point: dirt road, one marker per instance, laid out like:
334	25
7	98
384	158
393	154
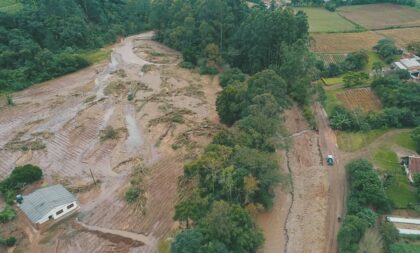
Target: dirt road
336	177
304	217
162	114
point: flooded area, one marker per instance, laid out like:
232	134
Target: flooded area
160	116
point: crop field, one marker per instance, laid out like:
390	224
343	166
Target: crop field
362	98
323	21
344	42
332	58
381	16
402	36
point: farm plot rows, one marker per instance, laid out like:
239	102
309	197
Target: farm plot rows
362	98
381	16
332	58
344	42
402	36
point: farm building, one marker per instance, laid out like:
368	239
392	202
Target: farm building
411	166
47	204
412	65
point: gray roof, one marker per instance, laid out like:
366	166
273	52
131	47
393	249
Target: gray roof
40	202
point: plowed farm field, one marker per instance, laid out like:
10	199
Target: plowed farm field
344	42
362	98
402	36
381	16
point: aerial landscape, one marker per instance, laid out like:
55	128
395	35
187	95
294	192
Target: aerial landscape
210	126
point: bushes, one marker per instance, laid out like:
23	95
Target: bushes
132	194
366	192
353	79
20	176
415	135
351	231
108	133
9	242
387	50
7	214
365	187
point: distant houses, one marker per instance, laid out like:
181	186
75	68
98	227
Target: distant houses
411	64
48	204
411	166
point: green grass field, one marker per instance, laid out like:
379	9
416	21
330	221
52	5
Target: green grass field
403	247
404	140
323	21
333	80
10	6
96	55
353	141
331	100
398	188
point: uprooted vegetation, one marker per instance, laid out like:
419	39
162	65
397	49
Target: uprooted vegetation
136	194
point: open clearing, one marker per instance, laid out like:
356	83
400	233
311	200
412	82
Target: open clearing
402	36
381	16
322	21
362	98
168	107
344	42
398	187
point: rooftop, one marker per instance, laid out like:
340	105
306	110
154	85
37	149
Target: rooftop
414	164
40	202
410	63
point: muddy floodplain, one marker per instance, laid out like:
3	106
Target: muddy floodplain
138	116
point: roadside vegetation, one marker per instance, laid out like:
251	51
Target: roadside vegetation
234	178
366	199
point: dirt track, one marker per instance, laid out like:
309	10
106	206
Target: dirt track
57	125
304	219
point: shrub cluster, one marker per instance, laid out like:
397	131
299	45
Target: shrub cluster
366	192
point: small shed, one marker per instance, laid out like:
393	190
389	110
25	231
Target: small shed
411	165
48	204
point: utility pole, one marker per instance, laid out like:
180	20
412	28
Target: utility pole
94	181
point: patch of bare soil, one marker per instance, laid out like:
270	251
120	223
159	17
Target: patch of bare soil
297	221
161	115
306	224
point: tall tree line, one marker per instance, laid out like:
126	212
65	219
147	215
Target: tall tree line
41	41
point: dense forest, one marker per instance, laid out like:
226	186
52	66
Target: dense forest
42	40
267	66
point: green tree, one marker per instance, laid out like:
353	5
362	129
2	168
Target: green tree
232	225
231	75
231	102
353	79
188	241
415	135
350	233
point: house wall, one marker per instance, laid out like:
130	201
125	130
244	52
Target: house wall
54	211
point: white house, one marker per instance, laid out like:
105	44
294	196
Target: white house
48	203
412	65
